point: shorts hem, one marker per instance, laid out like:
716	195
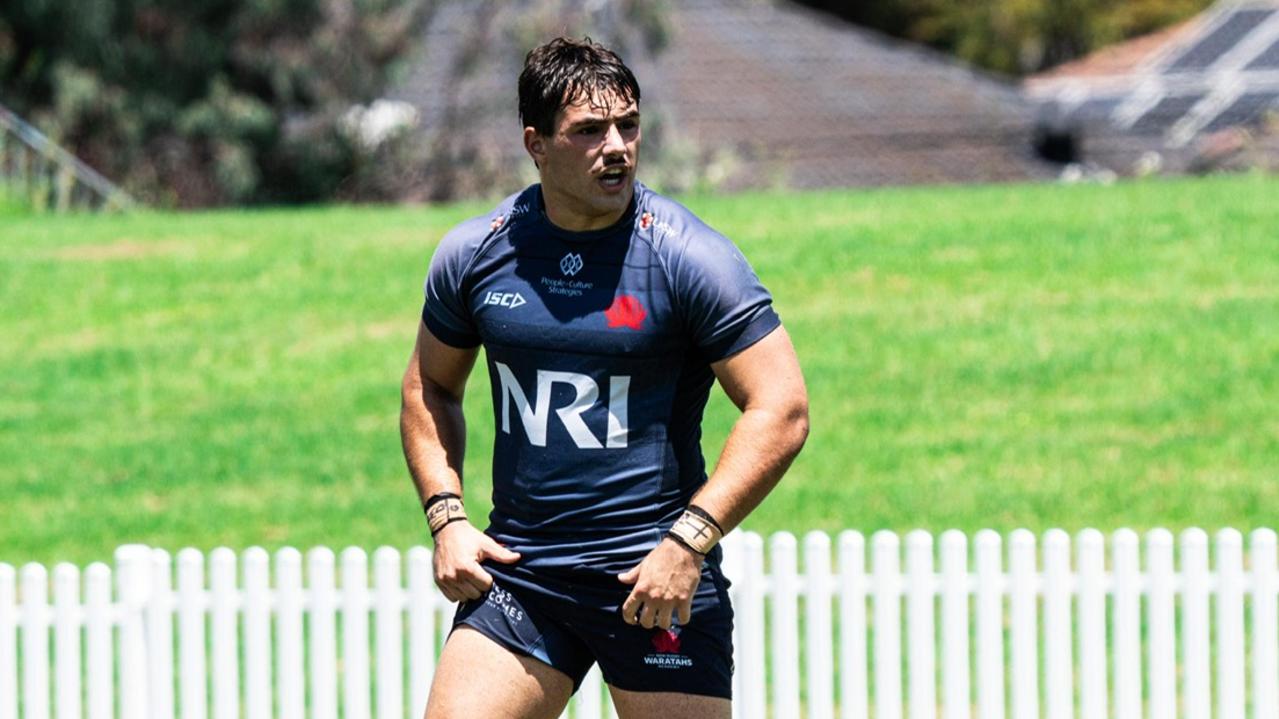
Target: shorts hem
512	648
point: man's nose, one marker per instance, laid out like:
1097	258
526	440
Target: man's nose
613	142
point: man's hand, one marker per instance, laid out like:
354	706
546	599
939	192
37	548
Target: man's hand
459	549
664	586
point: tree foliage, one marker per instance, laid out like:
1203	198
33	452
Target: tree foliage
1016	36
199	102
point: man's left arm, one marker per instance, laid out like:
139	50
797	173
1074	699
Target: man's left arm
765	382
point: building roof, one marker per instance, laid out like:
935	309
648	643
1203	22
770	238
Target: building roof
1116	61
787	94
834	104
1219	70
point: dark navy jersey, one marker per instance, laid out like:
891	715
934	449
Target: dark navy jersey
599	347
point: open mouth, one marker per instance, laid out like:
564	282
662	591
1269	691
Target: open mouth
613	178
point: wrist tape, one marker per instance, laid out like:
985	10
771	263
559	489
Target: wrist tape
443	508
697	530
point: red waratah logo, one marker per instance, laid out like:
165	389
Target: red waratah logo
625	312
497	222
666	641
646	219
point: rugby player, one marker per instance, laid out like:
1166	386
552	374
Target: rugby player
606	313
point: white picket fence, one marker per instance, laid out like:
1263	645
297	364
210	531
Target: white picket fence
1126	633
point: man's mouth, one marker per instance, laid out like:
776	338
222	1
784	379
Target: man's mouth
613	178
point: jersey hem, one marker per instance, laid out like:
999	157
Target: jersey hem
754	331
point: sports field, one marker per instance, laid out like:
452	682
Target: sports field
1031	356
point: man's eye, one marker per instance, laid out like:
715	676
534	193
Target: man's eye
628	124
588	130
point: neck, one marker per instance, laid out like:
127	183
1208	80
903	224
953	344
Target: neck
566	215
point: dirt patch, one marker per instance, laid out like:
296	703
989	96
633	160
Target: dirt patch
119	250
84	340
383	330
352	334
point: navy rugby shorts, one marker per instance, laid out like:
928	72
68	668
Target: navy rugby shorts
571	636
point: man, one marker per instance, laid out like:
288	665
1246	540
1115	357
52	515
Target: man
606	312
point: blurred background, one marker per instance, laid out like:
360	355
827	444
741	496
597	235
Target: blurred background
229	102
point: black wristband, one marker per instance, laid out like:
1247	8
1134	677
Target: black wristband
439	497
440	528
694	509
676	538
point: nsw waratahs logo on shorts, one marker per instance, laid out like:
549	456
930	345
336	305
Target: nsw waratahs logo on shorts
667	644
571	264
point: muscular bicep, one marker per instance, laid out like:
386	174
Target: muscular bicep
439	366
765	375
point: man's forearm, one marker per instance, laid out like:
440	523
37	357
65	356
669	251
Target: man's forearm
763	443
433	434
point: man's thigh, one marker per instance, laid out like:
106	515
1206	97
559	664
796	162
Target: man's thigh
476	677
668	705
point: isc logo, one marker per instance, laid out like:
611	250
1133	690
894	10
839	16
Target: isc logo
587	393
504	299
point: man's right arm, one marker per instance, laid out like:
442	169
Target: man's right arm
433	433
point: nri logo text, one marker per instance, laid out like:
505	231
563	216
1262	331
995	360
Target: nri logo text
535	415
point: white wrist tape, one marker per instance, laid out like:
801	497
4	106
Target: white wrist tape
697	530
442	510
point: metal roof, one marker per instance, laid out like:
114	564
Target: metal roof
1221	72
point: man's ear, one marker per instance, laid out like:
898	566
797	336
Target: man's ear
534	145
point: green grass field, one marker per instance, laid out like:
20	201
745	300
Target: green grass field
1031	356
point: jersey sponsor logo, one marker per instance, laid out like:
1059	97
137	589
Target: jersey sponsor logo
667	644
571	264
535	415
567	288
626	311
505	299
503	602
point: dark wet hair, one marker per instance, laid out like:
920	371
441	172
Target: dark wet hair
562	71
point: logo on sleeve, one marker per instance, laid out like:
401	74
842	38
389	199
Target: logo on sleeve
626	311
667	644
659	227
571	264
505	299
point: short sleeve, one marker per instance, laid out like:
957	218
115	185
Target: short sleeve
446	311
726	307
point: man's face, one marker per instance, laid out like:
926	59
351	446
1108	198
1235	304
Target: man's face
588	163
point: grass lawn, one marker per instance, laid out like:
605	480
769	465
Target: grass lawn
1017	356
